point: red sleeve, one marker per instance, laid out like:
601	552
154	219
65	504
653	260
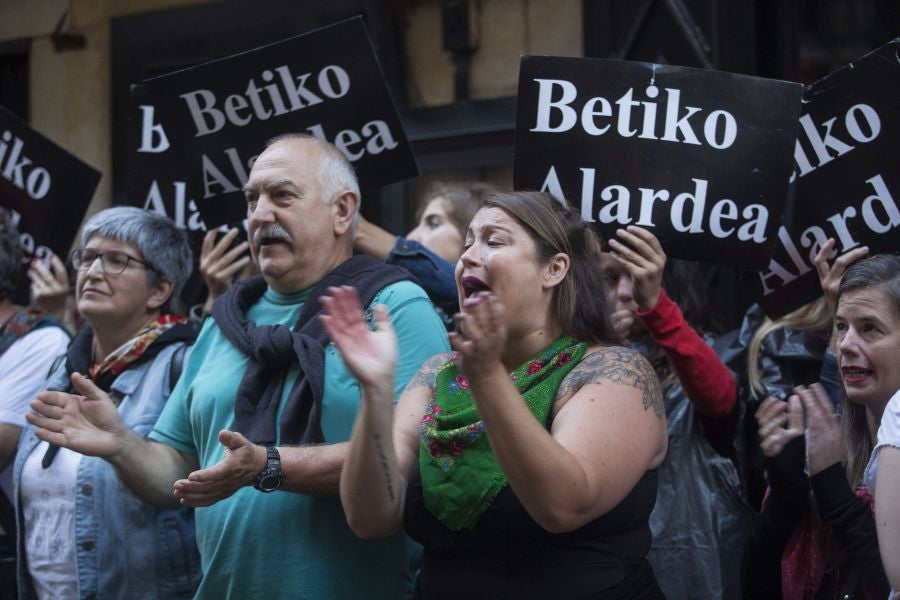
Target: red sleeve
707	382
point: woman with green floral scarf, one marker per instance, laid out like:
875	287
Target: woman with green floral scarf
524	461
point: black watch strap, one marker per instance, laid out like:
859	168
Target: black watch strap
270	478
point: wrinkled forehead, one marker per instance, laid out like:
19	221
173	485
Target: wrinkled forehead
295	159
491	217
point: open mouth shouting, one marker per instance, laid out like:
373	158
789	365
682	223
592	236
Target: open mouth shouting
474	290
853	375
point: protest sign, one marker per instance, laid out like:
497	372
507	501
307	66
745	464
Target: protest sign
846	177
152	181
700	158
46	189
326	83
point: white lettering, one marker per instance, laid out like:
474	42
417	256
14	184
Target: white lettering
213	176
821	145
775	270
587	195
698	203
149	129
755	227
883	197
199	113
233	104
729	132
184	217
723	209
380	138
588	123
551	185
648	197
839	222
34	181
546	104
327	83
284	93
674	123
871	118
617	211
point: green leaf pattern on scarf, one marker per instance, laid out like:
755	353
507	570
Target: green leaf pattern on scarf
460	474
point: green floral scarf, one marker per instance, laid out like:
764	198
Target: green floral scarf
460	474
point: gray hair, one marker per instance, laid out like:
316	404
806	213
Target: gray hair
336	173
11	255
881	271
163	245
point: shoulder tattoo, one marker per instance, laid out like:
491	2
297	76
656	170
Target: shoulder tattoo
619	365
427	373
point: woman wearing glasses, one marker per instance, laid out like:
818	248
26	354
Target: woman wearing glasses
81	533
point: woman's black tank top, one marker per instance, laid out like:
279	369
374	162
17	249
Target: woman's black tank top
508	555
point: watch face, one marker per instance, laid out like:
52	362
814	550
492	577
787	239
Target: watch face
270	482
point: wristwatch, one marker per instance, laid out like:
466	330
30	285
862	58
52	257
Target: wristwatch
270	478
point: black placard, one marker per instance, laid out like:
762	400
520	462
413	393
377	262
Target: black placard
700	158
845	173
326	83
47	189
153	184
152	167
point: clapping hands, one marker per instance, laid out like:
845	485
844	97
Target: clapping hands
807	412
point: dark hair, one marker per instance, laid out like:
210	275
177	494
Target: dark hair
880	270
11	254
461	201
580	303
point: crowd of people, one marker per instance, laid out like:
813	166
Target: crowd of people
490	406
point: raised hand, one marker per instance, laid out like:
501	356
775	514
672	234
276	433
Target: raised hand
830	275
370	356
49	286
779	422
238	468
644	258
218	264
824	436
481	335
88	423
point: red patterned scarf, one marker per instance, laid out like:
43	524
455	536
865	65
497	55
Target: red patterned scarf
119	359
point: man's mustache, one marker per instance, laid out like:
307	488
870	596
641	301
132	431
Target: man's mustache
270	231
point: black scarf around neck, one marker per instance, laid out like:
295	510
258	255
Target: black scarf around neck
273	349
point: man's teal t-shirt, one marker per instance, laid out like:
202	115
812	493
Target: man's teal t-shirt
283	544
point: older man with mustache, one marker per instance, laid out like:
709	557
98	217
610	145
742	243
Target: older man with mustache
254	434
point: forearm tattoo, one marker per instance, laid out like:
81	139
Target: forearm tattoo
619	365
379	448
427	373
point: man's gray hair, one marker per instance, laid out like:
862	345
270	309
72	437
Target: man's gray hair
163	245
336	173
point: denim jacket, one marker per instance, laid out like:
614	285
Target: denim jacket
435	275
125	548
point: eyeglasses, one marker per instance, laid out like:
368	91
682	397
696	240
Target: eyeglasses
114	262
